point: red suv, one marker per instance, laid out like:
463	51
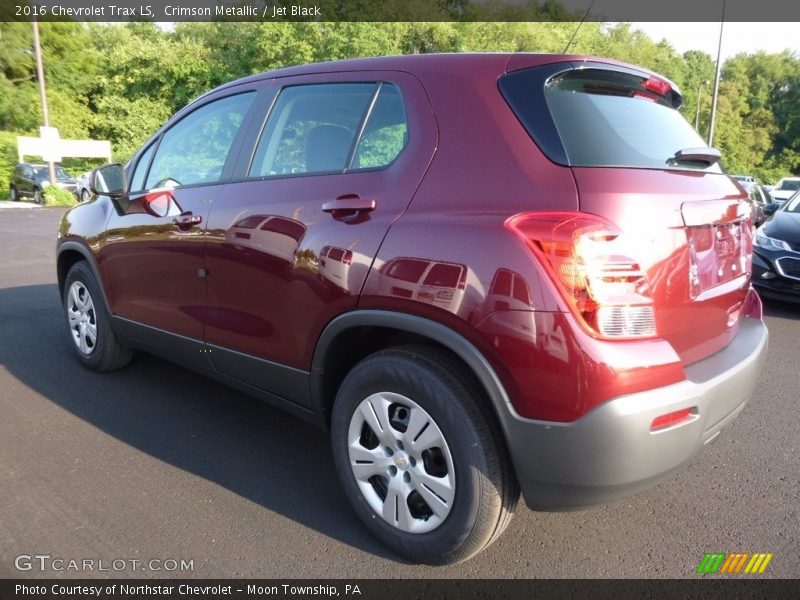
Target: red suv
478	273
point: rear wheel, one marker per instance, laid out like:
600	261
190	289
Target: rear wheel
418	458
89	324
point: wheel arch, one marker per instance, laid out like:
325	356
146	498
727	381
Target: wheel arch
354	335
69	253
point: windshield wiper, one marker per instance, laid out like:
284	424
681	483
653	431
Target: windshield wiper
704	154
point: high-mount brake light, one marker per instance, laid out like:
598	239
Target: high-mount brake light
585	256
657	85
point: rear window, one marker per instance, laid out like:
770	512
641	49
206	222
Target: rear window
609	118
287	227
790	186
442	275
407	269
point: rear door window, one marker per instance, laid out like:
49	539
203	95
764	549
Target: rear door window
385	133
312	129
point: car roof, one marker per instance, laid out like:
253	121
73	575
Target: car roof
455	62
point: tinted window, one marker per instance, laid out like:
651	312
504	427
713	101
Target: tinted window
602	117
45	172
502	283
288	227
137	181
195	149
385	133
607	118
407	269
311	129
442	275
521	290
250	222
790	186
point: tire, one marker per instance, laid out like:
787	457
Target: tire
88	323
450	446
14	194
84	195
38	197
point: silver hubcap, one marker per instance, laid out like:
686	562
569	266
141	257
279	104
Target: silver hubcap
401	462
82	318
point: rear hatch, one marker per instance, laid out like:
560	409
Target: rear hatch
638	164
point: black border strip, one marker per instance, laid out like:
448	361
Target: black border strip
401	10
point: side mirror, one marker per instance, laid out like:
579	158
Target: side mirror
109	180
770	209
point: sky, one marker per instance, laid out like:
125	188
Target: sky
736	38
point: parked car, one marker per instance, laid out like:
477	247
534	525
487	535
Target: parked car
785	188
744	179
29	181
776	254
83	191
580	320
761	198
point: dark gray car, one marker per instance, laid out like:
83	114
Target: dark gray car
29	181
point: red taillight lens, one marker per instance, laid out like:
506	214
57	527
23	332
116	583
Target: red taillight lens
587	259
672	419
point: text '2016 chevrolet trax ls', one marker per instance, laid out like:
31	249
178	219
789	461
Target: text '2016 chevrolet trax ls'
479	273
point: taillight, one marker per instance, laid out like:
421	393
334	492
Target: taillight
586	257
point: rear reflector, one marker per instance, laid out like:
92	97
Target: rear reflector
673	418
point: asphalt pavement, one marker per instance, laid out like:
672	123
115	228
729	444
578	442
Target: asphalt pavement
153	462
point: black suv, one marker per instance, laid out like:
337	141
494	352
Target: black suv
29	180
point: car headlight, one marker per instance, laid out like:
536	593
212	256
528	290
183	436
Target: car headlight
767	243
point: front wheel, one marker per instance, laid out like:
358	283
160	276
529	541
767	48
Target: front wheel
38	197
89	324
14	194
418	458
84	195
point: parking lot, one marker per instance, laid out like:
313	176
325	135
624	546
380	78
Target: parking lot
155	462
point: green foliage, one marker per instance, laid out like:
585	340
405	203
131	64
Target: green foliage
8	158
122	82
56	196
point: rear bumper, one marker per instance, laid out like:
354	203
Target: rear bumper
610	452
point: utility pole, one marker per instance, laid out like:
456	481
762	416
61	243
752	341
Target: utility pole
716	79
37	47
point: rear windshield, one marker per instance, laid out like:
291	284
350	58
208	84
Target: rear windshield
599	116
608	118
790	186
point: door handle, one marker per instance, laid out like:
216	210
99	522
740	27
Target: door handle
184	221
349	203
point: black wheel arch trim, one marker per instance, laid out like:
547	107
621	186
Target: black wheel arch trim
436	332
74	246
